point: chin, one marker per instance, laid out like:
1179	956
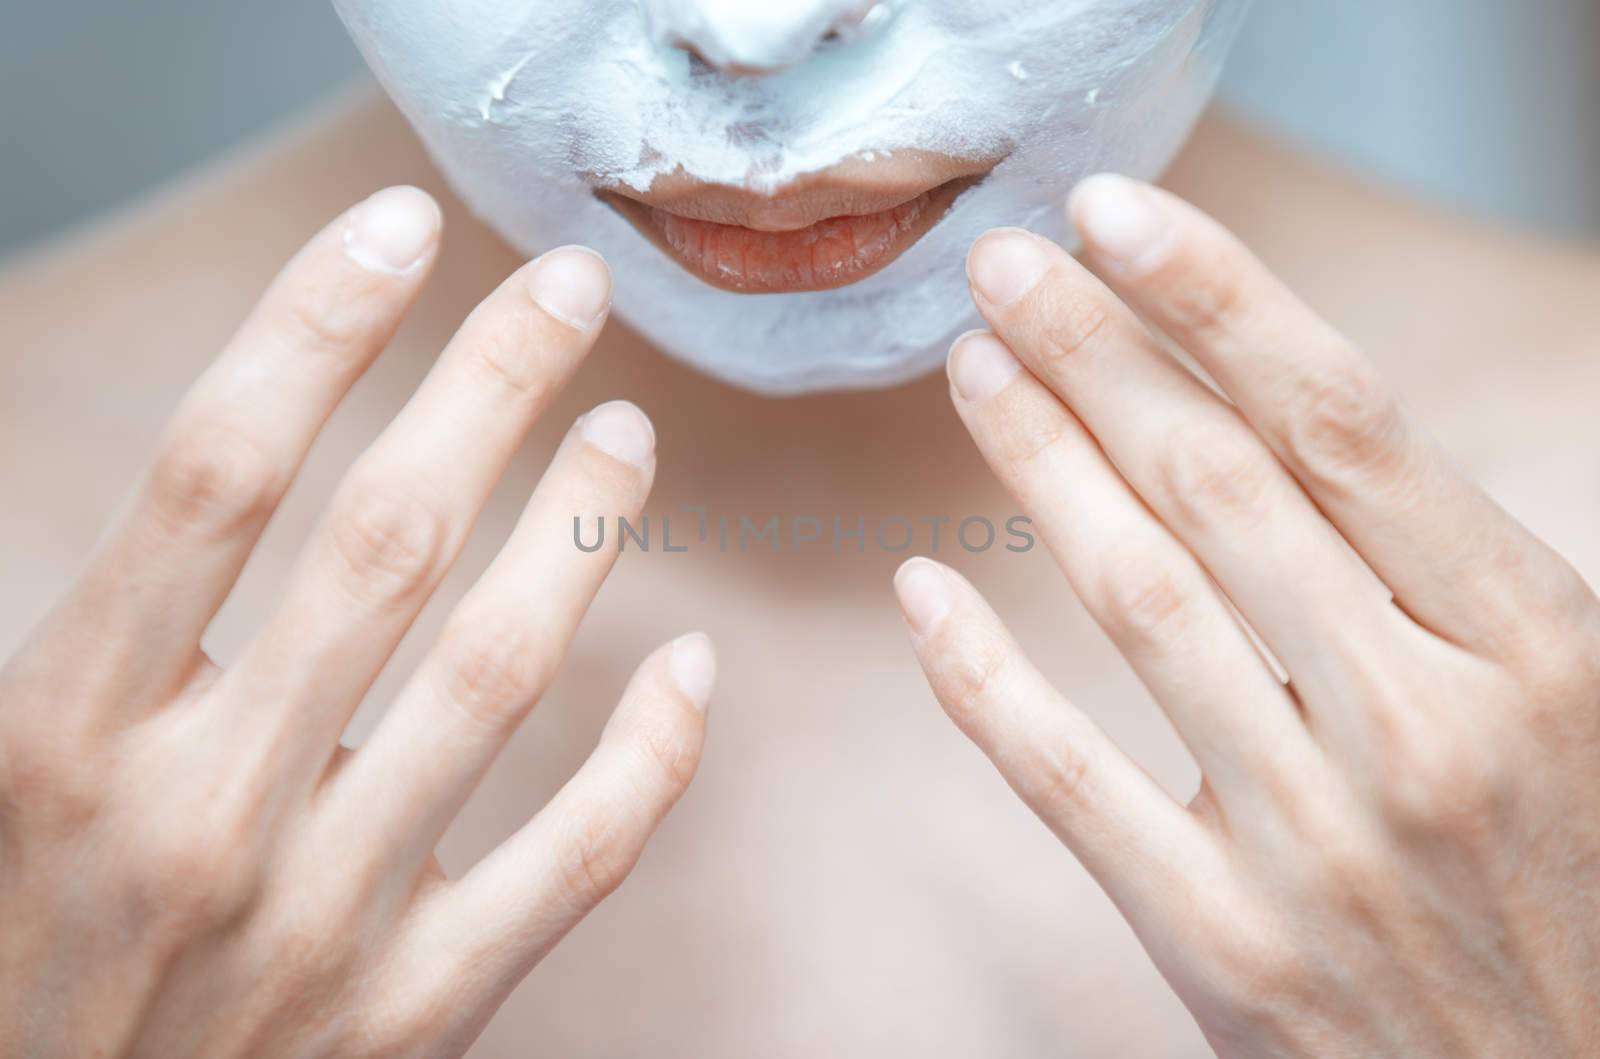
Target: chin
796	220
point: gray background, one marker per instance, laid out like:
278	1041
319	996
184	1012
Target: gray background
1490	105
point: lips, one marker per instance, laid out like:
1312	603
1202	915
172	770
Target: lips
823	236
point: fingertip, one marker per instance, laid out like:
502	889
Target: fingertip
394	232
980	366
573	284
1122	221
925	595
693	663
621	430
1006	264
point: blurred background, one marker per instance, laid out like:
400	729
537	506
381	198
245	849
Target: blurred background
1492	106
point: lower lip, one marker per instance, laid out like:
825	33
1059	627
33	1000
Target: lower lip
833	253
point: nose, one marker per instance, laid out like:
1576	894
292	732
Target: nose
755	37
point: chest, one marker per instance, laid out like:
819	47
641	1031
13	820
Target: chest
847	876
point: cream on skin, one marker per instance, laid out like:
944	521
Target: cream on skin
532	106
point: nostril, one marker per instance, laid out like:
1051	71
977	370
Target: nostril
750	45
698	63
701	64
858	23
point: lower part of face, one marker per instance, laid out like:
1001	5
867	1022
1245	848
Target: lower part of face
542	111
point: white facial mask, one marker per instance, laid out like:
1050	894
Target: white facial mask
529	105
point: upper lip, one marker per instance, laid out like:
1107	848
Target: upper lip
848	190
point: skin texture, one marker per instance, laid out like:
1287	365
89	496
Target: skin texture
168	823
846	876
1368	867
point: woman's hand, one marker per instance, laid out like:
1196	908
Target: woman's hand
189	864
1399	852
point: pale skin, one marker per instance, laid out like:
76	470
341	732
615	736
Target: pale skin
231	881
1367	869
846	876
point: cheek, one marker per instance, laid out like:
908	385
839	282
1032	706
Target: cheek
449	53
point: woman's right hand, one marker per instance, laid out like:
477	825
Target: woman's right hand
189	863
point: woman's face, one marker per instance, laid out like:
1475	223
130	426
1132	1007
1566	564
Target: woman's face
786	188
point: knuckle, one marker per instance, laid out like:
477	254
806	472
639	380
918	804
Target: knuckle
1554	672
1556	654
972	685
1555	682
1075	326
672	754
310	942
1140	595
212	477
324	318
50	787
196	876
1030	444
504	354
1576	605
1353	875
1061	780
1216	472
1444	784
1029	439
1342	422
390	543
496	670
597	857
1259	981
1209	297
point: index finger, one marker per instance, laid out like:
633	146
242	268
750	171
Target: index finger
242	432
1456	562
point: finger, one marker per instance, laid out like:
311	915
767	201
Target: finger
402	514
476	939
1138	582
1455	561
1192	458
500	649
1140	845
241	435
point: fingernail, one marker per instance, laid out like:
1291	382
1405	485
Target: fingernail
620	430
694	668
1006	264
924	595
573	285
1121	219
393	232
981	366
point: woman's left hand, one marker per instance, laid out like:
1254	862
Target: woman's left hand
1398	853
